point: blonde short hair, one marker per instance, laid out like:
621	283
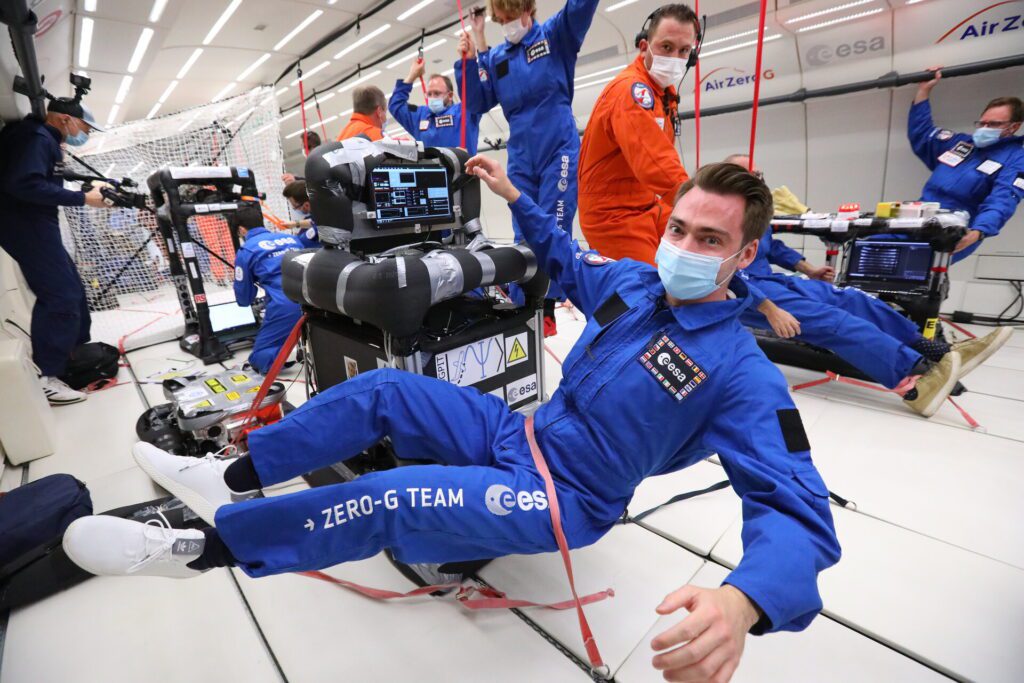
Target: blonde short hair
512	7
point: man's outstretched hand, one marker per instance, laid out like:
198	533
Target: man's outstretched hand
710	638
491	172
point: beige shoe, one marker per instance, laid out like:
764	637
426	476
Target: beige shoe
974	352
934	386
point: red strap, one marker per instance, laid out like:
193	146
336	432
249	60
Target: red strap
320	116
696	92
462	95
302	110
596	663
268	381
757	79
970	335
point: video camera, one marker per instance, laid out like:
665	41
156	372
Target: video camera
72	106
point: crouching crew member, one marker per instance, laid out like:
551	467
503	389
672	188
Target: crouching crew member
668	339
981	173
31	189
258	263
629	167
439	124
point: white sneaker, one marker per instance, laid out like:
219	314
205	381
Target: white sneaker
60	394
111	546
196	482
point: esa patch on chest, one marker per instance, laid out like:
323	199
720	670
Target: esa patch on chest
643	95
446	121
538	50
672	368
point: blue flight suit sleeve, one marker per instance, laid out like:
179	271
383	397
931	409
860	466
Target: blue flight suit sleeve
922	133
562	258
782	255
398	105
570	24
480	97
245	284
28	177
788	534
1001	203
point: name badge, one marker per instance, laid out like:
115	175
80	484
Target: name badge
954	157
989	166
424	124
538	50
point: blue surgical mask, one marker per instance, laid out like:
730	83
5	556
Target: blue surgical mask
436	104
983	137
76	140
687	275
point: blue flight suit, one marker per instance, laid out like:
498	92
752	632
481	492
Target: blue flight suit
865	332
646	390
986	182
533	83
433	130
258	262
31	189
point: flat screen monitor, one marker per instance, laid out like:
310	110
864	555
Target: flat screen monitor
407	195
229	318
890	261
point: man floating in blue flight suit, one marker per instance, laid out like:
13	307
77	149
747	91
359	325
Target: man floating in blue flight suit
867	333
439	124
531	76
662	376
31	190
981	173
258	263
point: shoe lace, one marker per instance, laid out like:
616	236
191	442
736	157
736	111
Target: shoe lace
161	546
211	458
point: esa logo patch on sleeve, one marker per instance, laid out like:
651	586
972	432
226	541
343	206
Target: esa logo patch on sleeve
592	258
944	134
674	371
239	274
643	96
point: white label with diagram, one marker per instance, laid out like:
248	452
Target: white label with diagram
472	363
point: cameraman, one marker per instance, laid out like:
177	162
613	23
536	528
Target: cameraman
31	189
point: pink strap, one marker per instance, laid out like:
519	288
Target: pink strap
596	662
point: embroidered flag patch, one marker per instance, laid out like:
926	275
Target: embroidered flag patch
672	368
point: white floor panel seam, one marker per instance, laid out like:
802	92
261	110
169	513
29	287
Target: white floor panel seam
257	626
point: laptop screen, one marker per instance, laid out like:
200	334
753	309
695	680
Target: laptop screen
230	316
890	261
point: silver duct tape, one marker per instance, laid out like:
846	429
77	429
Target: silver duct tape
336	236
303	260
400	269
531	261
473	226
446	276
490	271
342	287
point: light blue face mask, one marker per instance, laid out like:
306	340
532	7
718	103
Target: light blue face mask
687	275
983	137
436	104
78	139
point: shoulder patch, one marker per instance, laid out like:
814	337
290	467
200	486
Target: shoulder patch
643	95
944	134
592	258
239	273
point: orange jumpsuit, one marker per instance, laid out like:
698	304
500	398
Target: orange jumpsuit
361	124
629	169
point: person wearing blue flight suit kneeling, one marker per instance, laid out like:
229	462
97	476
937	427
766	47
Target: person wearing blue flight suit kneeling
864	331
530	76
258	263
981	173
439	124
662	376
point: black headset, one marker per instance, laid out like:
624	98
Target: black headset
656	15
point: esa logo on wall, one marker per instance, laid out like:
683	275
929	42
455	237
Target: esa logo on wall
820	55
976	26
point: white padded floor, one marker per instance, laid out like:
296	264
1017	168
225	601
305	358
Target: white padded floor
931	583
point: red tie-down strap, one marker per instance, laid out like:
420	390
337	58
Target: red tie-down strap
903	387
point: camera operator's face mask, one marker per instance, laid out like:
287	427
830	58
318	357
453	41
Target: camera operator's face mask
688	275
76	140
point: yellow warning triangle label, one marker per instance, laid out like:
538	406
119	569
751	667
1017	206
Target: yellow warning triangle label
517	353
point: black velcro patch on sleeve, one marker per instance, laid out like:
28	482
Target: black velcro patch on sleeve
413	108
501	68
793	430
610	310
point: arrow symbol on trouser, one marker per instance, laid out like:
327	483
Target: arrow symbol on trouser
309	525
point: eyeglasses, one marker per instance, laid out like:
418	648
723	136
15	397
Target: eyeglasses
992	124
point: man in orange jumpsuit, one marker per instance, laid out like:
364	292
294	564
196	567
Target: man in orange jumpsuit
629	169
370	114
